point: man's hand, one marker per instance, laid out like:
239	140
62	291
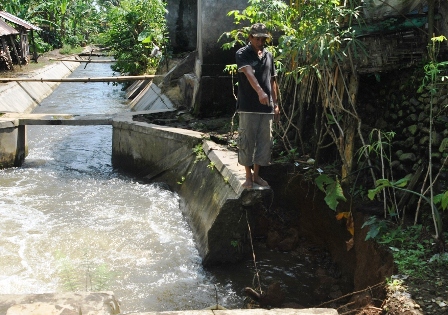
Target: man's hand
263	98
276	114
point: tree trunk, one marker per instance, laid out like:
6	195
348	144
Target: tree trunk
350	132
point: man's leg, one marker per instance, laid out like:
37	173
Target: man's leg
263	148
256	178
249	182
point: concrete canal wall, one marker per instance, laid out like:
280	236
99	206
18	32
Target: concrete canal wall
206	176
23	97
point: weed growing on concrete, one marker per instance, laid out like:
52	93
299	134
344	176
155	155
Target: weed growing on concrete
211	166
198	150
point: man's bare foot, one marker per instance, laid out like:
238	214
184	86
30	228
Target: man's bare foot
260	181
247	184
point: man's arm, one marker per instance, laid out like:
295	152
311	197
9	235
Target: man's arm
262	96
274	89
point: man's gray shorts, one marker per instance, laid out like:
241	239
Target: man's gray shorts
255	139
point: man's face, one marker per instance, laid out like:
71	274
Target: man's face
257	42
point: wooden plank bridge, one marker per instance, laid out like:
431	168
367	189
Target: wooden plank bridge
59	119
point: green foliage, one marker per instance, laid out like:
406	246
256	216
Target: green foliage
181	181
198	150
211	166
332	189
395	285
412	261
377	146
399	184
136	33
68	50
72	22
231	69
442	199
272	12
439	259
288	156
433	67
376	227
410	249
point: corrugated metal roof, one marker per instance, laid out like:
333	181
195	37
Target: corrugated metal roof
14	19
5	29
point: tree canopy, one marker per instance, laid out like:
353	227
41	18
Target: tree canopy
132	29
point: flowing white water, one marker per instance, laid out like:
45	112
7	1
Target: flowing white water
69	221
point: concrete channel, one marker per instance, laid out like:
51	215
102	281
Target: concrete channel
214	198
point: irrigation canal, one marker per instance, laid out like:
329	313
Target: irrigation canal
69	221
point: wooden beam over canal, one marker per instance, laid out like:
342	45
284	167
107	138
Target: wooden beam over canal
86	60
59	119
84	80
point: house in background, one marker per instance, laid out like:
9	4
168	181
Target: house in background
7	32
23	29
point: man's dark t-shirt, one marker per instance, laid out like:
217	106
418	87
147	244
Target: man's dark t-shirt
264	69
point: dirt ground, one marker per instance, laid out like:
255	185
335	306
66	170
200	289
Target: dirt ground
406	297
42	61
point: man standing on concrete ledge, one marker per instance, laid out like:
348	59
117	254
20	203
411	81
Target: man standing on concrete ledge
256	104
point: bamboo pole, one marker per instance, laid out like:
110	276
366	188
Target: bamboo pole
85	80
82	60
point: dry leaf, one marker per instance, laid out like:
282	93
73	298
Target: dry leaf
350	243
349	224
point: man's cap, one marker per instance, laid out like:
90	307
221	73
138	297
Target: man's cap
259	30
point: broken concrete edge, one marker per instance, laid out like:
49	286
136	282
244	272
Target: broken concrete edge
274	311
105	303
68	303
8	122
